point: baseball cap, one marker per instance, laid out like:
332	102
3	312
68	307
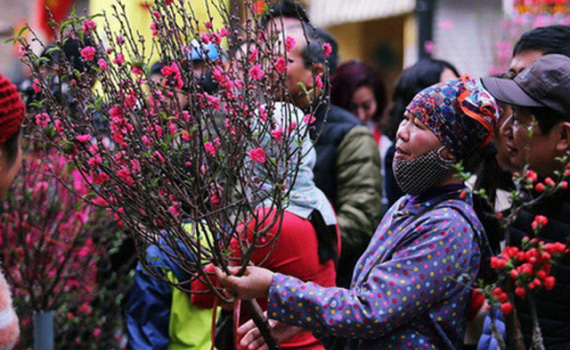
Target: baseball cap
200	52
546	83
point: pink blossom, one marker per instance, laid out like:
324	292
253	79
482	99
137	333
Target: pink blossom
137	70
85	309
58	127
206	38
95	160
101	202
208	25
120	40
281	65
319	82
327	49
257	155
42	119
21	50
215	38
83	252
210	148
96	332
83	138
214	198
309	119
157	14
213	101
88	25
101	179
158	156
154	28
223	32
174	71
125	175
174	209
88	53
172	128
36	86
186	116
262	114
41	186
168	2
253	55
119	59
256	72
289	43
277	134
292	126
102	64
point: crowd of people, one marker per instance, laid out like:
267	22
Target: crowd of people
382	245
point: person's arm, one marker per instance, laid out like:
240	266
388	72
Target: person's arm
359	188
420	274
148	312
9	329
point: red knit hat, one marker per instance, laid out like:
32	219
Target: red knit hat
12	109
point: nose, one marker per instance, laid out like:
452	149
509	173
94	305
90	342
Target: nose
507	128
403	132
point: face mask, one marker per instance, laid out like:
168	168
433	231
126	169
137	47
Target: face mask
418	175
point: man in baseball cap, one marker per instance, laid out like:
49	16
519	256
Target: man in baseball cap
539	93
537	132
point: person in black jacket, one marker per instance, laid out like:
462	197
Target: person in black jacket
541	93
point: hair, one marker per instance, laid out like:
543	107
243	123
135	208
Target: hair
351	76
546	118
421	75
314	53
156	67
549	40
287	9
11	147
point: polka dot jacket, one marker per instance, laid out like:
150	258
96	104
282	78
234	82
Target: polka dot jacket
411	288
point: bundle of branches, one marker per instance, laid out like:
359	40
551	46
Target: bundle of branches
52	246
160	153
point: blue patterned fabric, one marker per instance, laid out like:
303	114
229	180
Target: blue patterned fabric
460	112
411	288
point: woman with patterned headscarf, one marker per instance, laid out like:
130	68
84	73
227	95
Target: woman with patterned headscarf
412	287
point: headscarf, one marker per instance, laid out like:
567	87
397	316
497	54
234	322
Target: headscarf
460	112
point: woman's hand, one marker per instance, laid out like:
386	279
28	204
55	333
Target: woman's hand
253	284
251	338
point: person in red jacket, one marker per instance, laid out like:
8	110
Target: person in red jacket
307	245
11	118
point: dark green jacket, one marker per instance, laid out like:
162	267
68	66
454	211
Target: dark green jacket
348	172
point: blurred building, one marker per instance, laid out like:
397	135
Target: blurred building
394	34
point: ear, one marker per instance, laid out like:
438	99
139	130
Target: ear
563	137
446	154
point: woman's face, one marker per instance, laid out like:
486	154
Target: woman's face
363	104
414	139
7	171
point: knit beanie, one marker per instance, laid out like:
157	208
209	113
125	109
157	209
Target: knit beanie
460	112
12	109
